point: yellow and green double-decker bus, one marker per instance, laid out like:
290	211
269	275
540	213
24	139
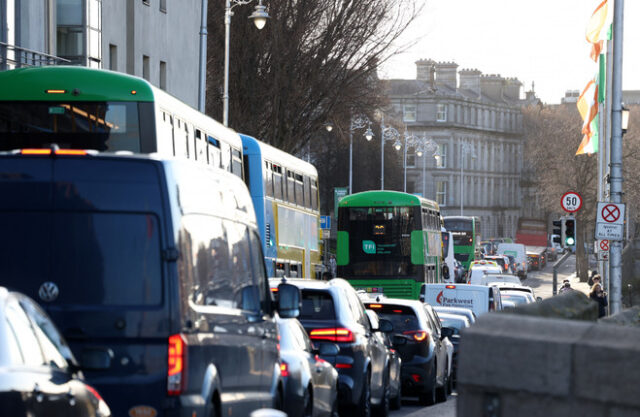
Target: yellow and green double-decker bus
389	242
466	237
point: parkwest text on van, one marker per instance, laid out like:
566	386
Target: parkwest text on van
478	298
153	271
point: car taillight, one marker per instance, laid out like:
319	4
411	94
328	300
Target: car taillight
176	371
333	335
343	366
418	335
94	392
284	369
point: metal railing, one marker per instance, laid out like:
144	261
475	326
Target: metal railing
12	56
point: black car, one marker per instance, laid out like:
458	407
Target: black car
38	374
310	382
332	312
153	269
419	342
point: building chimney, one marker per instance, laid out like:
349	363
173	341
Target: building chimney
512	88
492	86
470	80
425	70
446	74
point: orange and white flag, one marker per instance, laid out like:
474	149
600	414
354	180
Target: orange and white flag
598	27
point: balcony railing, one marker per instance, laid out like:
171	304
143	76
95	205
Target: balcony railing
12	56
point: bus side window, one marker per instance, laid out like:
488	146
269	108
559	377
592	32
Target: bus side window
291	196
307	192
277	182
299	186
268	179
314	194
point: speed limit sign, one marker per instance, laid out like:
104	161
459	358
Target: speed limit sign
571	202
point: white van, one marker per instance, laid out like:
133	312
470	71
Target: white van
448	255
518	251
477	273
478	298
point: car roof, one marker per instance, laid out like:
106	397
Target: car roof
313	284
455	316
395	301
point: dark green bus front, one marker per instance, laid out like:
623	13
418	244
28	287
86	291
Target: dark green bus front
383	246
76	108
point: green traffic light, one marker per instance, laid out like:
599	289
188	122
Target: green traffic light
570	241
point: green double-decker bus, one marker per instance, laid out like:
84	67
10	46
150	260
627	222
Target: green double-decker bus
389	242
466	237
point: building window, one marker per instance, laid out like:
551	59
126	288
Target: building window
441	193
113	57
409	112
442	113
145	67
442	161
147	2
163	6
163	75
411	159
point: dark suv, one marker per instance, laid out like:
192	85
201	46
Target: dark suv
152	270
332	312
419	341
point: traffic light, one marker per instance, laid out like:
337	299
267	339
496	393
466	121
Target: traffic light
570	232
557	230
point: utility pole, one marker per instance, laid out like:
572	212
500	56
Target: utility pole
616	152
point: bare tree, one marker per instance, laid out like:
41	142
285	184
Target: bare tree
315	60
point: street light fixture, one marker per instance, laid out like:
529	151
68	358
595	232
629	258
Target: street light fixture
357	122
625	119
387	133
259	17
465	148
422	146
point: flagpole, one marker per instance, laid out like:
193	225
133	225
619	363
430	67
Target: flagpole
607	148
616	152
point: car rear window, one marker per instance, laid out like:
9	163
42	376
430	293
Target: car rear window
92	258
317	305
403	318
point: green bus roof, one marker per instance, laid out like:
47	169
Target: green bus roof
74	84
382	199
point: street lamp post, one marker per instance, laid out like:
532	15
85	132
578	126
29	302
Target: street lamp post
423	145
465	148
357	122
387	133
259	17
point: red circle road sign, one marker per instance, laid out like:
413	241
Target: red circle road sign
604	244
571	202
610	213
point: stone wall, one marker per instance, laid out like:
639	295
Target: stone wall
516	365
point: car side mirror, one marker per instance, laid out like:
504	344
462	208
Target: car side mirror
538	298
327	349
96	358
385	326
446	332
399	340
289	301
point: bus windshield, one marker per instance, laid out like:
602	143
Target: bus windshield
104	126
462	231
380	240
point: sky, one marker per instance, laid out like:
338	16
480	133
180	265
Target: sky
541	41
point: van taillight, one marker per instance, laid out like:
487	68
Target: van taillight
177	360
332	335
450	287
418	335
284	369
47	151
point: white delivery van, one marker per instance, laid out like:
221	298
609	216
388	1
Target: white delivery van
478	298
477	272
448	256
518	251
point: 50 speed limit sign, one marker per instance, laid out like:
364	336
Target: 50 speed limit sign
571	202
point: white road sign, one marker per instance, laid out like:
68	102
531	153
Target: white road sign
610	221
571	202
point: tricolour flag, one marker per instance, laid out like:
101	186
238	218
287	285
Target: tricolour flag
588	108
598	28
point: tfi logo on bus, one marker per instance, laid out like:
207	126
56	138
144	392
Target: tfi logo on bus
369	246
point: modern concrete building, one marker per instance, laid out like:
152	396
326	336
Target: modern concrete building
476	120
154	39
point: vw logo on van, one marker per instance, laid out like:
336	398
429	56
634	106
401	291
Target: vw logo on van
48	291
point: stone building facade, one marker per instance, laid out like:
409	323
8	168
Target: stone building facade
154	39
476	120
